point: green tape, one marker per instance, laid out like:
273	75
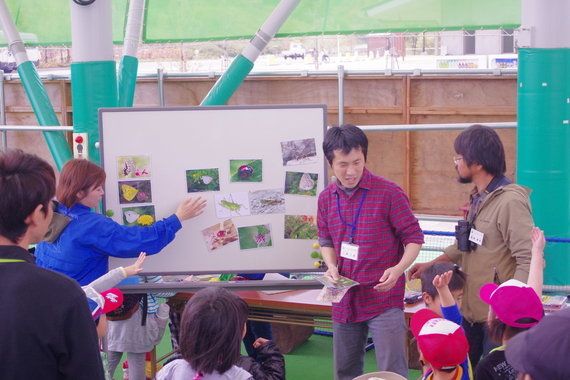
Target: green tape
93	86
127	80
39	100
229	82
543	158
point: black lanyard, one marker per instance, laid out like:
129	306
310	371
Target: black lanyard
355	222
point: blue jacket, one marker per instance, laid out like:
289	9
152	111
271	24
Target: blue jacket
82	250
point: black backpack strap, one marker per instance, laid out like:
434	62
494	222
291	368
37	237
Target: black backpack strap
144	309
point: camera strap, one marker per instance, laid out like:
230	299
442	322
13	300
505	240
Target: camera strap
477	199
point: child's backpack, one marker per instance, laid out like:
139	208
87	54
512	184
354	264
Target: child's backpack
131	303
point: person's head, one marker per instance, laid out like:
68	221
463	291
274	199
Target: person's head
80	181
102	303
456	285
541	353
442	344
211	330
27	186
345	148
516	307
479	150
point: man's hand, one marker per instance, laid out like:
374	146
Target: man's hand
136	268
442	280
190	208
388	279
417	269
332	273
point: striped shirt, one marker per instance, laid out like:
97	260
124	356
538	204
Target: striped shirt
153	303
385	225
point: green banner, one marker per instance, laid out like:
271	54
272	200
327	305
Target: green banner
202	20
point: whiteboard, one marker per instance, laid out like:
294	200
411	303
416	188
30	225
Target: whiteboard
167	152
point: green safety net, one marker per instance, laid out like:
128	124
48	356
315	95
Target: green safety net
47	22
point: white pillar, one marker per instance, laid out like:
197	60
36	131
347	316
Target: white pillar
547	23
92	31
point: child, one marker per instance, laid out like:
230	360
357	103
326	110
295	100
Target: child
212	327
103	300
514	308
442	291
268	363
442	344
138	333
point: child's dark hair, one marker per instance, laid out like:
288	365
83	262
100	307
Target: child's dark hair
457	281
211	330
498	330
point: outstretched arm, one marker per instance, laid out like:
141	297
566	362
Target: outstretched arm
535	275
441	283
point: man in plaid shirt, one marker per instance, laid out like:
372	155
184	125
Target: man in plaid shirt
368	233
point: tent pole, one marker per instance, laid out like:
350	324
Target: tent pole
35	90
229	82
543	135
129	61
93	75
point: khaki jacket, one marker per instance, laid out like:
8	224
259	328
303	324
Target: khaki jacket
505	219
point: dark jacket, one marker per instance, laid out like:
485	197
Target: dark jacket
46	329
269	365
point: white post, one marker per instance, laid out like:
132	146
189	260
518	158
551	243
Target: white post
92	31
547	23
134	27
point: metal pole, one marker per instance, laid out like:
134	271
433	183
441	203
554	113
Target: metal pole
4	134
161	101
340	94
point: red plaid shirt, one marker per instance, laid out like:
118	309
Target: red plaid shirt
385	225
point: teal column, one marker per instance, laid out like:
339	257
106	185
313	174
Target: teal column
127	80
229	82
39	100
93	86
543	149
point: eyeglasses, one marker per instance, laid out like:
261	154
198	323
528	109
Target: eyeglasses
456	159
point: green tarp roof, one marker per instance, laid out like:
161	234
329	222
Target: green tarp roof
200	20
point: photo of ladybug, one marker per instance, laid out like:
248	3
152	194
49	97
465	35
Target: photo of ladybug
220	234
246	171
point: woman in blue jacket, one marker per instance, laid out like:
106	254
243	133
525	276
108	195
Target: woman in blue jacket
81	248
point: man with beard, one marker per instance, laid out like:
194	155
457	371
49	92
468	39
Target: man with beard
500	222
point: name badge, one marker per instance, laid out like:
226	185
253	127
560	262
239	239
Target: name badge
349	251
476	236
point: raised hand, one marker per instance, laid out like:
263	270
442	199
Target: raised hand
190	208
136	268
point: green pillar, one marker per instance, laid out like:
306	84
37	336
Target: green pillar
93	86
543	143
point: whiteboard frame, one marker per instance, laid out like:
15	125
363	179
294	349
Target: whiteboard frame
114	262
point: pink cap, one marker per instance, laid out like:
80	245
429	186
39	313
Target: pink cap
513	301
442	342
113	299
